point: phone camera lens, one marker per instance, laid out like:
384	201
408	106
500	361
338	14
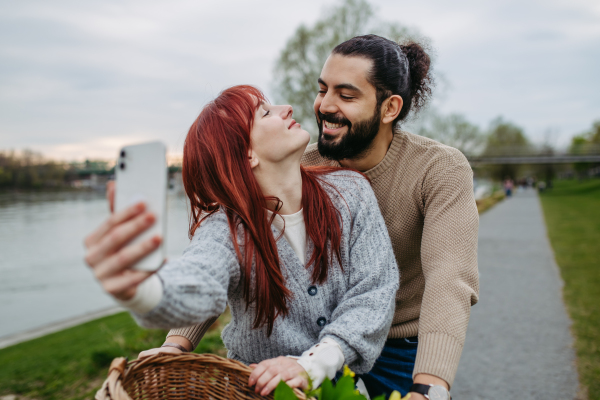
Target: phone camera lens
122	153
122	165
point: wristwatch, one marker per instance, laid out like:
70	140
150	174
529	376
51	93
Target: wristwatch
431	392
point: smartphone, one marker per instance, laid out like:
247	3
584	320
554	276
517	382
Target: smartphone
141	176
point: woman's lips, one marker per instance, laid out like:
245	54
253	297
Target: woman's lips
293	124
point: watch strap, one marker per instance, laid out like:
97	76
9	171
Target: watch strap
420	388
424	389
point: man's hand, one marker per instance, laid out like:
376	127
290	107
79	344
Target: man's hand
268	373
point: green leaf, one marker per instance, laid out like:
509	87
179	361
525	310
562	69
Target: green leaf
327	390
284	392
345	387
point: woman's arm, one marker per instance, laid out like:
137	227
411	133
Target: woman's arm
190	289
195	285
361	321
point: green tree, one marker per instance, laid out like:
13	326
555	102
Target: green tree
505	139
586	143
300	62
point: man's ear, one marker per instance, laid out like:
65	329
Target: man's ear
253	159
391	108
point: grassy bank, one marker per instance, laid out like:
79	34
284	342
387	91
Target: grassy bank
489	202
72	364
572	213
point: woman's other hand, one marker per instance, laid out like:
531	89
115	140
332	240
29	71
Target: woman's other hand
151	352
268	373
110	195
110	256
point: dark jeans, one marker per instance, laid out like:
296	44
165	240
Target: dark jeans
393	369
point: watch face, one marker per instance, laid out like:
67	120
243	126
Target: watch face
438	393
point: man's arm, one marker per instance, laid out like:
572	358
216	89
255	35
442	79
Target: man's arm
449	262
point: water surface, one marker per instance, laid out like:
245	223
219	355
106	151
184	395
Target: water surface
43	278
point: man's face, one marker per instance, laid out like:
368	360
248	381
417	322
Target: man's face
346	108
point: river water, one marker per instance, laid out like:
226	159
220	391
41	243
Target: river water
43	278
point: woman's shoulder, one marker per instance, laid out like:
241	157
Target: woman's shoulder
214	228
352	186
346	179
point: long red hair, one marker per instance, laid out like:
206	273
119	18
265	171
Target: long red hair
217	174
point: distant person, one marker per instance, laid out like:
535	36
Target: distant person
324	292
530	182
541	186
508	186
367	87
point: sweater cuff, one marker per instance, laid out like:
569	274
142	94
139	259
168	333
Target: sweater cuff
147	296
438	354
193	333
322	360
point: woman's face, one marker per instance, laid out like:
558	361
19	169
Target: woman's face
275	135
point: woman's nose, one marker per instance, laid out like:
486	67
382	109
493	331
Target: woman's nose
286	112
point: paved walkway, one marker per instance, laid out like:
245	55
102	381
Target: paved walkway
518	343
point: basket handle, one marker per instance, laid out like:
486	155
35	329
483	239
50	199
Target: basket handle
112	388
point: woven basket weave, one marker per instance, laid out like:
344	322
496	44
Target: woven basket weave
179	377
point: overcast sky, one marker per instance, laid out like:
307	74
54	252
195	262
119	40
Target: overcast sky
81	78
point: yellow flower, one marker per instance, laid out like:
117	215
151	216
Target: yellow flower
396	396
348	372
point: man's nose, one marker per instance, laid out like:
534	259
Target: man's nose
327	105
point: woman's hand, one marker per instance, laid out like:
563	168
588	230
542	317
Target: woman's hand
268	373
110	256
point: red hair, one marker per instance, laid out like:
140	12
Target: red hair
217	174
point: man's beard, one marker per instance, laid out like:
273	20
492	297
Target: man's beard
356	143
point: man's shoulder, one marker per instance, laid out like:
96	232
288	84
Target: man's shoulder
423	152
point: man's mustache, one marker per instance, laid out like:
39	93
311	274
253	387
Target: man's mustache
334	119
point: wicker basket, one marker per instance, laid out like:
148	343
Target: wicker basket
179	377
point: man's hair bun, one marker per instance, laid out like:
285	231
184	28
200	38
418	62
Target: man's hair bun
421	81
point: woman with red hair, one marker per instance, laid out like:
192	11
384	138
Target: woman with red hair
301	255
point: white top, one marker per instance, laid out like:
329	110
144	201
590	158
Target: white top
322	360
294	233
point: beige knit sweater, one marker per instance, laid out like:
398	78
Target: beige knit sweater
425	193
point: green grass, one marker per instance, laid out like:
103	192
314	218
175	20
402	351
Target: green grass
572	212
72	364
489	202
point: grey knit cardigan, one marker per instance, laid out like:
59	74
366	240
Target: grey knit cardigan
354	306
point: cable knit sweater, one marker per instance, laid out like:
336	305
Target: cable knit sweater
425	193
354	306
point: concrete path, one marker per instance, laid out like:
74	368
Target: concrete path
518	343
